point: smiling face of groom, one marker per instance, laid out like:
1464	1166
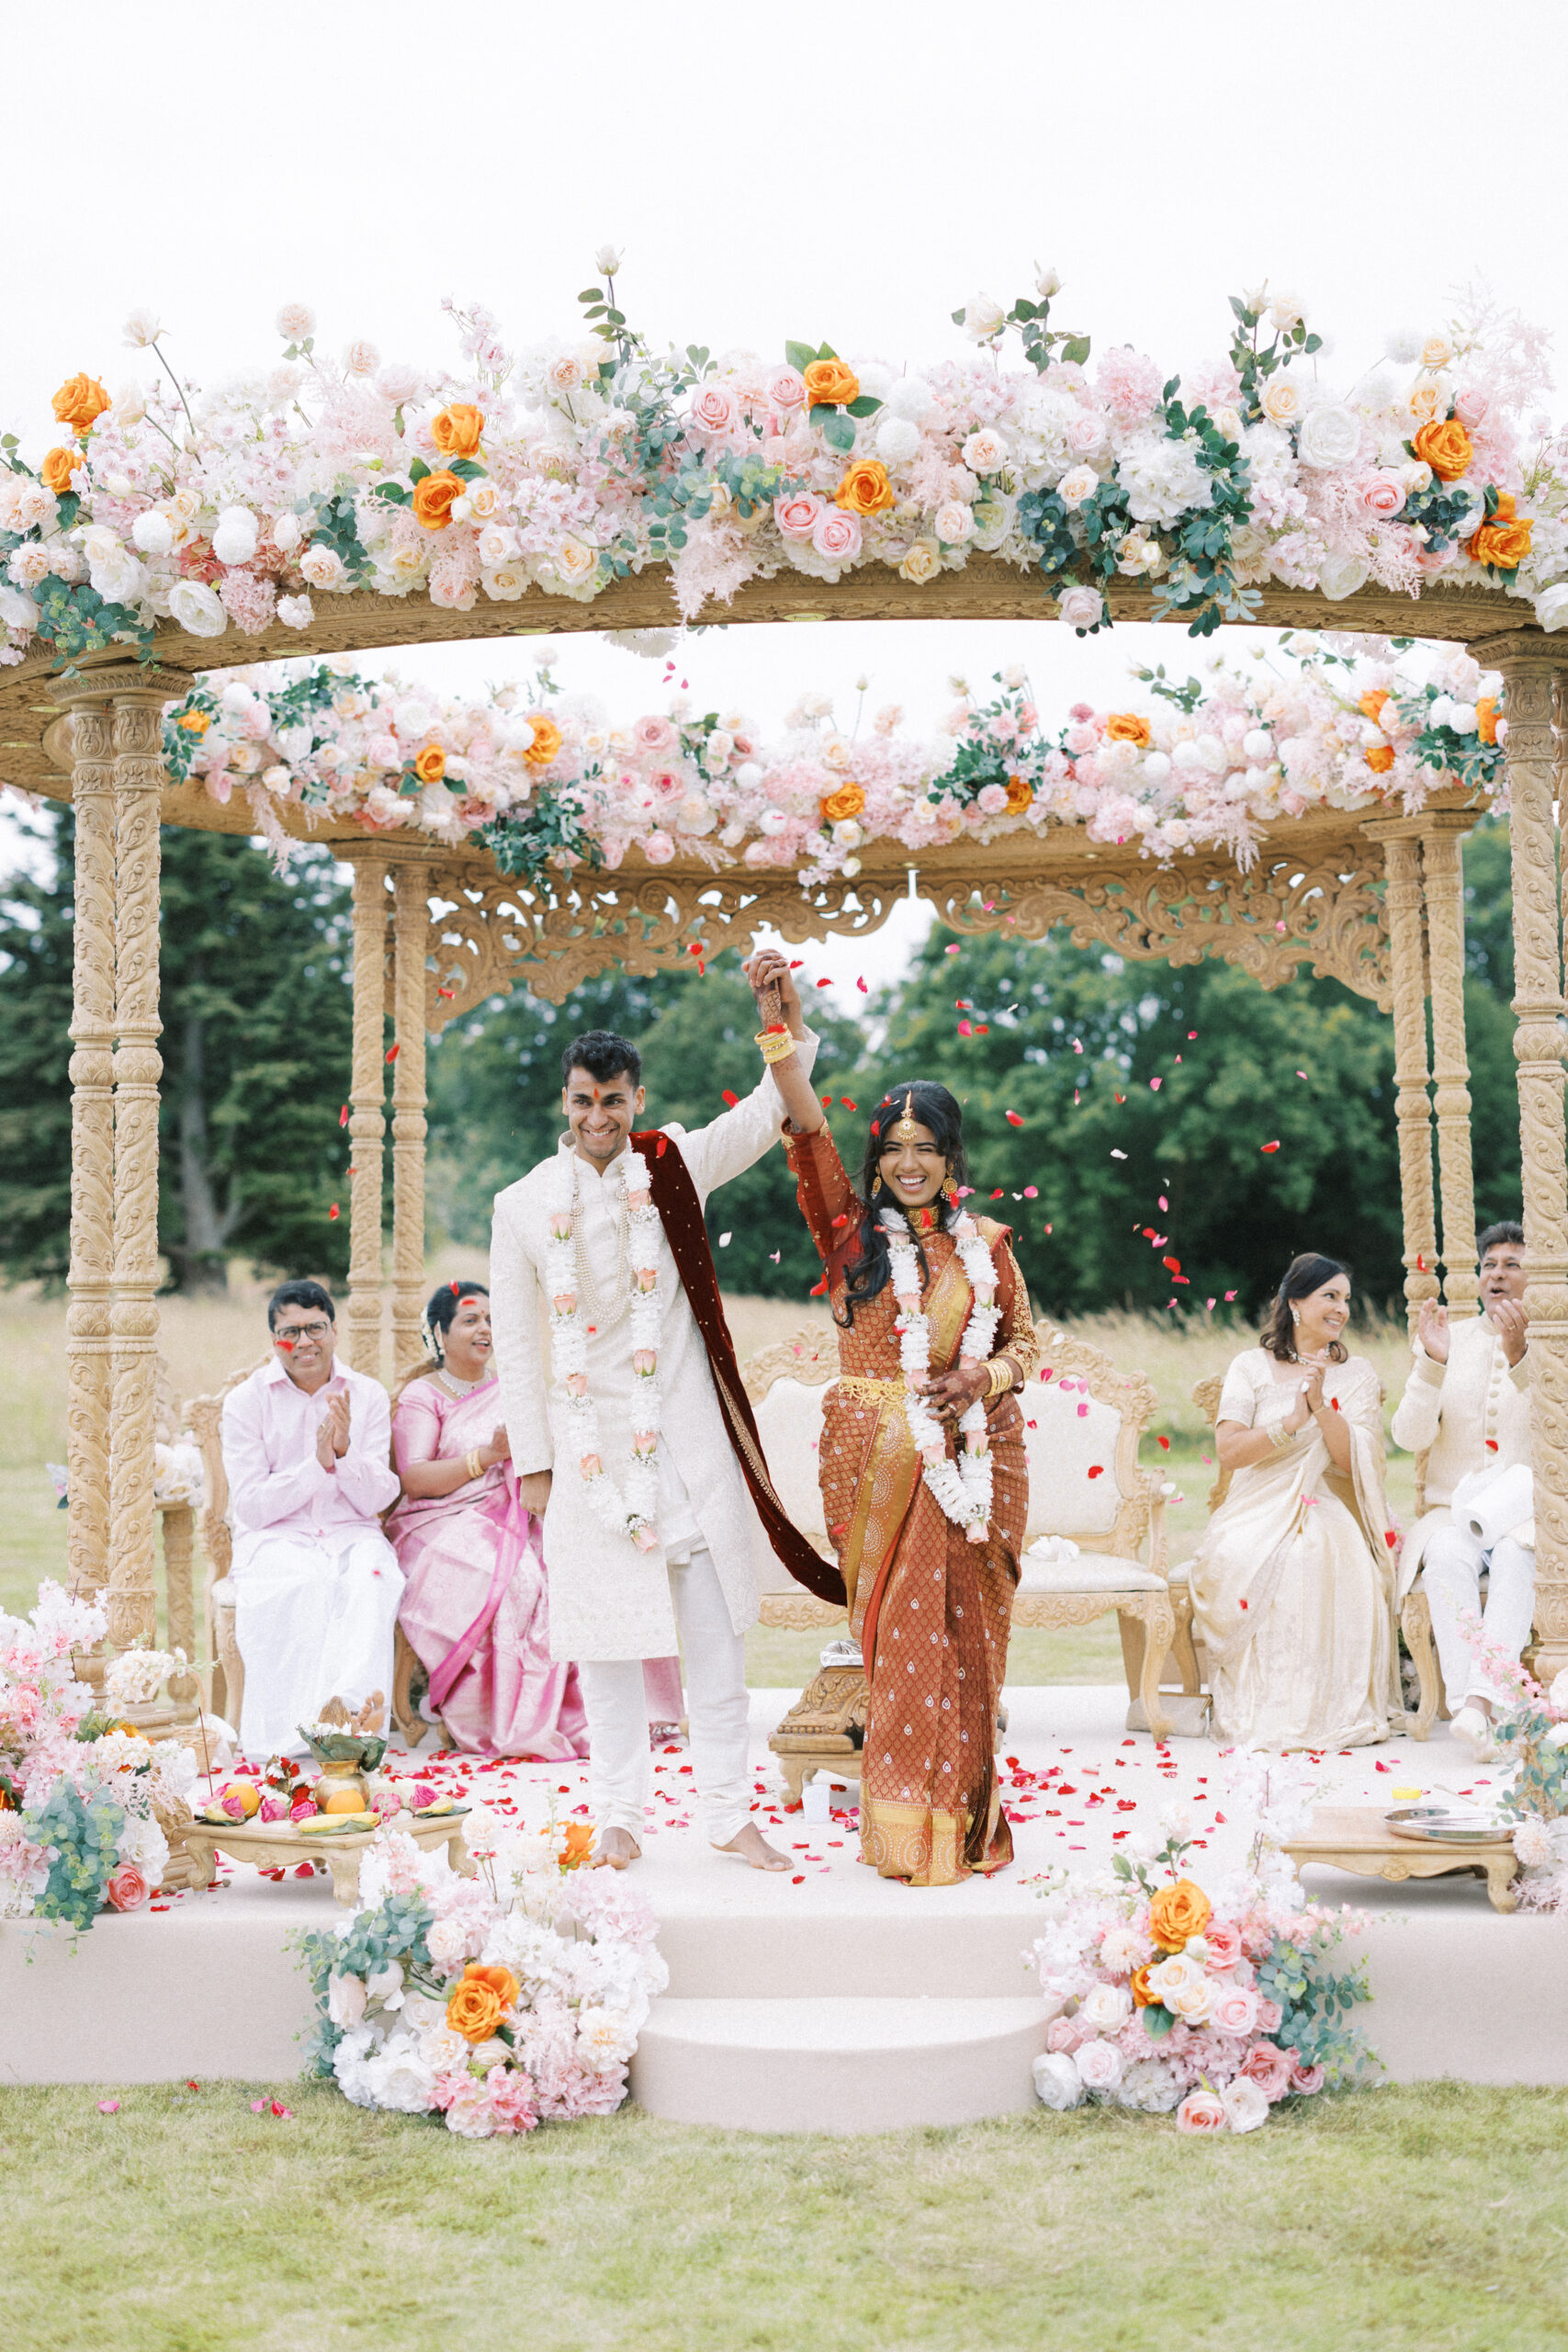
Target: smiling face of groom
601	1112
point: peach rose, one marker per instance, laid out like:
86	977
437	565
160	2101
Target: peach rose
127	1889
829	384
1446	446
480	2001
1020	795
431	764
56	470
83	401
865	489
1379	759
1372	703
921	562
1503	542
435	497
1177	1911
1201	2111
546	743
796	513
1486	718
838	806
1142	1997
1127	726
457	431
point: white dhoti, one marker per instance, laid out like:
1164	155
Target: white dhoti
1453	1562
313	1617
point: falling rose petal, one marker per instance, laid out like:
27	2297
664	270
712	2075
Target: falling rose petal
950	951
847	1104
1012	1118
862	986
391	1053
1118	1154
824	984
108	2106
1163	1443
725	1240
343	1116
1155	1085
1163	1202
1229	1295
1269	1146
774	1255
1095	1470
446	992
965	1029
1032	1192
333	1211
731	1099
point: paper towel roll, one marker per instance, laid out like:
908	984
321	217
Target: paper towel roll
1504	1504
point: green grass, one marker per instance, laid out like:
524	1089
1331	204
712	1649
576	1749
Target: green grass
1409	2220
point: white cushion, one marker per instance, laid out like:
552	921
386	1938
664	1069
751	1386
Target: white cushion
789	1422
1090	1572
1062	1448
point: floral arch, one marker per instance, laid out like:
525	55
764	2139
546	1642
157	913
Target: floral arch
323	510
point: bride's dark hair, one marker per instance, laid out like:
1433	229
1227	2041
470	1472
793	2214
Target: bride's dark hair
1303	1276
931	1106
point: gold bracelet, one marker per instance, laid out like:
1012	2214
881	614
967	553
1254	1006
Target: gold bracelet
1003	1371
1278	1435
775	1045
474	1467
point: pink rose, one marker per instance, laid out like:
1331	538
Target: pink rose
667	786
992	799
577	1384
659	849
1471	408
1271	2068
1223	1940
127	1889
1082	608
273	1808
1382	494
1269	2014
591	1466
645	1362
836	535
1306	2080
645	1538
302	1809
1236	2012
638	1198
1100	2065
785	389
714	413
1200	2111
565	1302
796	513
654	737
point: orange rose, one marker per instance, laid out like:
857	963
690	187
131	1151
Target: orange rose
829	384
193	722
579	1845
431	764
1371	704
480	2001
56	470
546	743
1446	446
1177	1911
80	403
1486	718
1379	759
840	806
433	498
1142	1996
1020	795
1126	727
865	489
1503	542
456	432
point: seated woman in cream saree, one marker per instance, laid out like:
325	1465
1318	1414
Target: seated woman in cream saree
1293	1584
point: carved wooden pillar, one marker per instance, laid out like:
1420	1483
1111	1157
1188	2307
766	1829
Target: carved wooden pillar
411	936
1528	666
139	778
1443	883
1412	1109
367	1123
92	1135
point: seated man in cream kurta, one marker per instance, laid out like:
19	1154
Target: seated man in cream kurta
649	1522
1467	1405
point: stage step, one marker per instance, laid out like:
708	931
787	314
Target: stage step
855	2063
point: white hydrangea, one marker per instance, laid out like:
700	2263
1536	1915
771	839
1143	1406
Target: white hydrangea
1163	478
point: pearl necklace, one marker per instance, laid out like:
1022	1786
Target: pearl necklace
456	1387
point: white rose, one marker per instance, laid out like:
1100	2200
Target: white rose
362	358
196	609
1244	2104
984	317
952	522
1285	310
323	566
495	543
399	383
897	440
1077	485
506	584
1280	401
345	1999
985	450
1099	2065
493	2052
118	577
16	610
153	533
1081	608
1340	575
142	330
276	779
606	261
1552	612
1106	2008
295	611
294	322
1331	437
402	2079
287	532
1049	282
1193	2002
234	538
1057	2083
130	403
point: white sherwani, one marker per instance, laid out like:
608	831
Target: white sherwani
1472	1413
608	1600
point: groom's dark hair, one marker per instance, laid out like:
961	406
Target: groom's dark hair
604	1056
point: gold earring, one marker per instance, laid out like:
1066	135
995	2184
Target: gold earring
949	1188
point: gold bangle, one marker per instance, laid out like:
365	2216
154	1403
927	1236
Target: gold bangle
775	1045
1003	1371
474	1467
1278	1435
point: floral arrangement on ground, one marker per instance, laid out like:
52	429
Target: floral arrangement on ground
1215	2003
546	781
570	463
1531	1738
496	2002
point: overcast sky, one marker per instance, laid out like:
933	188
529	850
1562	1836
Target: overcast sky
848	174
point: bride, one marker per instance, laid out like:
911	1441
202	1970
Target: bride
1293	1584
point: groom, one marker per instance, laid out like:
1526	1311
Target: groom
630	1428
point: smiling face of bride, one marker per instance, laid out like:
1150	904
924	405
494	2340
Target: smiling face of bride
912	1166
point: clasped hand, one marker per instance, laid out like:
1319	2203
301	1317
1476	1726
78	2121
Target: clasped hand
332	1430
1309	1399
951	1394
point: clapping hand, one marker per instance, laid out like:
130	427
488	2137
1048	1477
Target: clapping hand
1511	1324
332	1430
1433	1329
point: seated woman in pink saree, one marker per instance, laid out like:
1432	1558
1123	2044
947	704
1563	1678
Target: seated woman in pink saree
475	1605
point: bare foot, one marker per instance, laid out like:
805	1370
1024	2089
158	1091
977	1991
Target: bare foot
753	1848
617	1850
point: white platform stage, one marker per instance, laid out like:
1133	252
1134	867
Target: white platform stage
828	1998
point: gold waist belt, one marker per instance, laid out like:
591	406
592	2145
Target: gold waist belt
866	1391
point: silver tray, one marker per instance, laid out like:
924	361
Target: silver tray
1442	1825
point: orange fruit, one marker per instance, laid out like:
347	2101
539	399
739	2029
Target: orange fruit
343	1801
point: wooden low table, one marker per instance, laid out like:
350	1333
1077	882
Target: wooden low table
1357	1838
278	1845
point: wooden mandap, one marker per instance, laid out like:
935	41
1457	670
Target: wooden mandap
1375	902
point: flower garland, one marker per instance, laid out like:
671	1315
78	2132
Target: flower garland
961	1488
631	1509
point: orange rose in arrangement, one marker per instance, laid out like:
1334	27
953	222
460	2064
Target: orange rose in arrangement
56	470
829	383
431	764
1142	1996
1486	718
546	743
480	2001
1446	446
195	722
840	806
456	432
865	489
80	403
1379	759
1127	726
1020	795
579	1845
1502	541
1372	703
433	499
1177	1911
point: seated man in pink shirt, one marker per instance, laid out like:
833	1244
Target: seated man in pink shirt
306	1447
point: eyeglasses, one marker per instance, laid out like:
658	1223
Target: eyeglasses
317	1330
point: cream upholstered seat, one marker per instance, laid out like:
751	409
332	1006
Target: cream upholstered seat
787	1385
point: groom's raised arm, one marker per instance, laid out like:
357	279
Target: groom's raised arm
520	1338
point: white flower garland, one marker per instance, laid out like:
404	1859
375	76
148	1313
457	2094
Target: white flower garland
630	1507
961	1488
